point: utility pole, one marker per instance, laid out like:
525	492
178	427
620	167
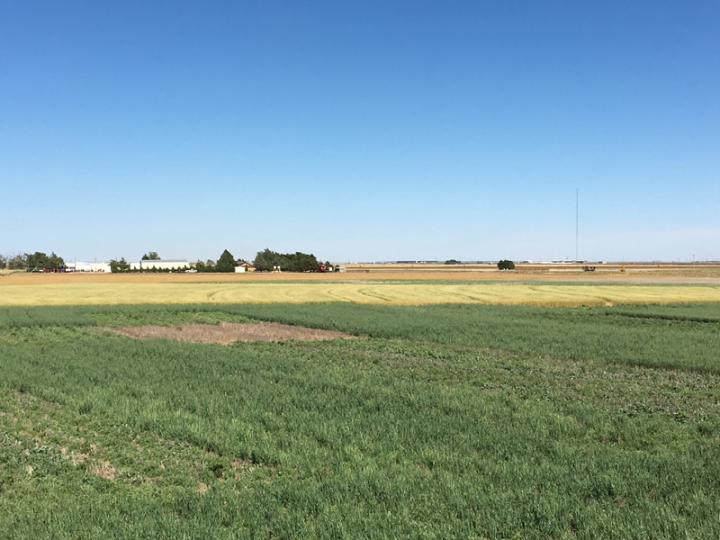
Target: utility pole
577	223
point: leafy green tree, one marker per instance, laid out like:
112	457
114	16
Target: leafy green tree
39	261
264	260
151	256
226	262
36	261
118	266
55	262
506	264
207	266
267	260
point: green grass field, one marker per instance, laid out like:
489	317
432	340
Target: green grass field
446	421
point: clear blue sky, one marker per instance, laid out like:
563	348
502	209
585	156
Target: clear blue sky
361	130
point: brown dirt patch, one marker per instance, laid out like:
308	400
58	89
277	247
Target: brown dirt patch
75	458
104	470
228	333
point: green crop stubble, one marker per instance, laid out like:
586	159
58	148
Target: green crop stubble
449	421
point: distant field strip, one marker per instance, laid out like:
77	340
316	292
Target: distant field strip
363	293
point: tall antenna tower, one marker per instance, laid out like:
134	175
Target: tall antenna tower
577	223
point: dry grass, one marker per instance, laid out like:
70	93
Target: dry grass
104	470
111	292
227	333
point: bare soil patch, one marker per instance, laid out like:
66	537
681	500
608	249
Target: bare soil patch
104	470
228	333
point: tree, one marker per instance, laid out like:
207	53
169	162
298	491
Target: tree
452	261
39	261
207	266
3	262
303	262
35	261
18	262
151	256
226	262
55	262
117	266
506	264
267	260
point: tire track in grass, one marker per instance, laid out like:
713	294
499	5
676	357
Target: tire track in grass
371	293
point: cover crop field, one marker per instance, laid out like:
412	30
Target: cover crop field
434	421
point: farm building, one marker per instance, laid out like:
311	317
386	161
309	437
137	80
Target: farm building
243	267
79	266
157	264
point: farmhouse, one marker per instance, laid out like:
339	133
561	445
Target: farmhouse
242	267
79	266
157	264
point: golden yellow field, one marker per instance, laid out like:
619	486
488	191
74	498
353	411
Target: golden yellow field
108	291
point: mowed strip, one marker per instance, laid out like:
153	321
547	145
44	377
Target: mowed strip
363	293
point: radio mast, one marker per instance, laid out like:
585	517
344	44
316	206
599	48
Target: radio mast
577	223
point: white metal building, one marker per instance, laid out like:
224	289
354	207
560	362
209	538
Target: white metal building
80	266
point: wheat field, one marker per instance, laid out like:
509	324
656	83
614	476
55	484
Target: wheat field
394	293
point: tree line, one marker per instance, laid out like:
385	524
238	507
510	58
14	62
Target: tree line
33	262
265	261
226	263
